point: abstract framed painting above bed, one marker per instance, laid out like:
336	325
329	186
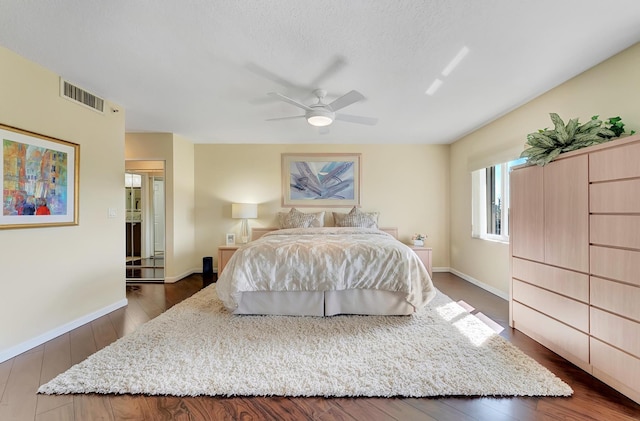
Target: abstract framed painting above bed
325	271
321	180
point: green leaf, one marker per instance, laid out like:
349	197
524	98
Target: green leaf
561	131
572	127
539	139
589	125
554	153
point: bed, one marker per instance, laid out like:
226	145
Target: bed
325	271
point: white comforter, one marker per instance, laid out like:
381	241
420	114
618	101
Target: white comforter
322	259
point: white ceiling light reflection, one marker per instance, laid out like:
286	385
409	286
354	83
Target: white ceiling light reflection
456	60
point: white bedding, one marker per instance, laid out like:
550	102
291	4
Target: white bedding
325	259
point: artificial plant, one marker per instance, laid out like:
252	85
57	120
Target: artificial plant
546	144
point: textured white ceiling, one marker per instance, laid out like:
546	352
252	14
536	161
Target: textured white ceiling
202	68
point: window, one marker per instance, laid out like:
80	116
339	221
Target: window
490	201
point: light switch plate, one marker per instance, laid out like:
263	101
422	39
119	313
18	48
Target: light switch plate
113	213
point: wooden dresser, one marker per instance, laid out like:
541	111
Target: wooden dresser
575	259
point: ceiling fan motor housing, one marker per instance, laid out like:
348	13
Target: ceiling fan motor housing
320	116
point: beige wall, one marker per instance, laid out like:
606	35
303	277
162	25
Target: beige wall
609	89
407	184
178	155
54	278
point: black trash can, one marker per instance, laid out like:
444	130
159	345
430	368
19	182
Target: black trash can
207	266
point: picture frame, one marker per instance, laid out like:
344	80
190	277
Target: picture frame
321	180
40	180
230	239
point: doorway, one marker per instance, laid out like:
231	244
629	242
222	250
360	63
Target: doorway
145	221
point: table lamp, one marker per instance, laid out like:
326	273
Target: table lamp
244	211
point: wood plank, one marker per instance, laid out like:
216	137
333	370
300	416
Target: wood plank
19	399
206	408
56	359
5	370
439	410
360	410
104	333
276	408
92	407
61	413
314	406
398	409
168	408
130	407
82	343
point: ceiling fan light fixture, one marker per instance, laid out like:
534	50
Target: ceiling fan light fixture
320	118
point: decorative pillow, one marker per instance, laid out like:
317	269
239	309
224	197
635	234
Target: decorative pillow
296	219
318	220
356	218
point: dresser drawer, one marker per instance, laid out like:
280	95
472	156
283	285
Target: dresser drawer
617	331
566	310
610	363
560	338
562	281
615	297
615	197
615	163
623	265
616	230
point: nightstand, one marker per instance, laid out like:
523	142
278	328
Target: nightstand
224	254
424	254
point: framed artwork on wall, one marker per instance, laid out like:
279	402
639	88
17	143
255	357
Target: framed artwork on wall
321	180
40	179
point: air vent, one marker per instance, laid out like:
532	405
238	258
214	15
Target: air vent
75	94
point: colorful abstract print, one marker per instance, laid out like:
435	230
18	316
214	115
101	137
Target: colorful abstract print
34	180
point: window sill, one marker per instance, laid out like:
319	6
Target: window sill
493	240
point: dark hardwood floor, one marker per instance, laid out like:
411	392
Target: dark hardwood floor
21	376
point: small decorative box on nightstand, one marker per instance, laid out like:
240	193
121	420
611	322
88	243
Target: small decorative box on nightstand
424	254
224	254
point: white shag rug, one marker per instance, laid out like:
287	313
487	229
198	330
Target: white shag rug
198	348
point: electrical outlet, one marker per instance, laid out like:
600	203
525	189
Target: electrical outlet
113	213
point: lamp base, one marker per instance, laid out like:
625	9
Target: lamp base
244	231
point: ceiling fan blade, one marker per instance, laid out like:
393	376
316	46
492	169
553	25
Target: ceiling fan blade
289	100
338	63
345	100
369	121
285	118
260	71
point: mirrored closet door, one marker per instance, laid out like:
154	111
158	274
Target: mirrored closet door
145	221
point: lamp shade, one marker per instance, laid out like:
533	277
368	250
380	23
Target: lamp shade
244	210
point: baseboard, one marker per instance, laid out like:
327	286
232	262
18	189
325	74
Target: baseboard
173	279
488	288
60	330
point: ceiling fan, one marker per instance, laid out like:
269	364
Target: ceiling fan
321	114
